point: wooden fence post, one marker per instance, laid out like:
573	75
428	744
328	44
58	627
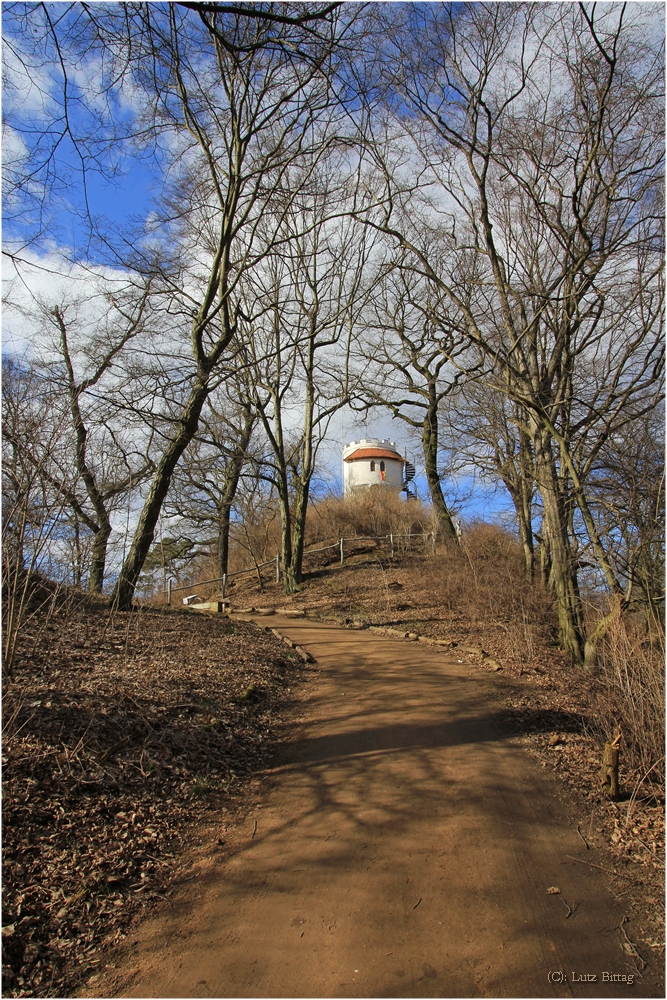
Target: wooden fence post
169	592
277	567
224	585
342	552
392	545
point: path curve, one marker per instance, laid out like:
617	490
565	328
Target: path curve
404	849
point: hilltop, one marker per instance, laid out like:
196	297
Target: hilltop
131	738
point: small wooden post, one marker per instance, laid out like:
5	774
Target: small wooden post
609	769
342	552
277	567
224	585
169	592
391	537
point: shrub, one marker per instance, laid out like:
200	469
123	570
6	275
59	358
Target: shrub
631	694
374	511
484	577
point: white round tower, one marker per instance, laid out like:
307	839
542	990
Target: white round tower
372	463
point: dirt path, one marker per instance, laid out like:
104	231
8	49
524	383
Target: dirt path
405	849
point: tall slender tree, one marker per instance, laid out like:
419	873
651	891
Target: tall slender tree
412	360
541	181
205	484
307	302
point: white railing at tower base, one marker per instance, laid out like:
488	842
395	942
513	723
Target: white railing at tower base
275	561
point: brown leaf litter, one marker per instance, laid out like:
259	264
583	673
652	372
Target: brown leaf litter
120	732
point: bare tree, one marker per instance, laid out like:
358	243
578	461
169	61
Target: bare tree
492	435
296	345
409	352
204	487
543	178
34	513
103	484
223	98
626	492
80	359
245	105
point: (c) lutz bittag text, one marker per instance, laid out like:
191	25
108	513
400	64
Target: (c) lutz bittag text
592	977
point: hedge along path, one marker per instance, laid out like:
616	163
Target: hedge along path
405	848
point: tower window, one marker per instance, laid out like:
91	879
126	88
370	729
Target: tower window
372	466
381	466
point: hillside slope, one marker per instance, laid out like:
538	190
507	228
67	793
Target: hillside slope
121	733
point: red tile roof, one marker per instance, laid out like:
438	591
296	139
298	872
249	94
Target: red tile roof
373	453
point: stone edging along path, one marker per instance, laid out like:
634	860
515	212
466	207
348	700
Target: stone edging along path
444	644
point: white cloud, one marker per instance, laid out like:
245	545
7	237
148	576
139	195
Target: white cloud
32	280
27	85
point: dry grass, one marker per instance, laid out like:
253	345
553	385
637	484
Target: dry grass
485	578
375	511
631	694
372	512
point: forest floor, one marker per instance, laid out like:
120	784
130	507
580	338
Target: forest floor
121	733
136	746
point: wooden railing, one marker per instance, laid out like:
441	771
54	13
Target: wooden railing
340	545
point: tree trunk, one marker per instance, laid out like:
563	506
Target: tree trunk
545	558
527	546
525	509
232	477
290	584
223	538
299	533
523	512
562	579
123	593
102	530
522	500
430	446
77	555
98	557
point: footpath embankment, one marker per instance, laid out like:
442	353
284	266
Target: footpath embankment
406	846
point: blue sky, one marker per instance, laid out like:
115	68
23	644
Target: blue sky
125	201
